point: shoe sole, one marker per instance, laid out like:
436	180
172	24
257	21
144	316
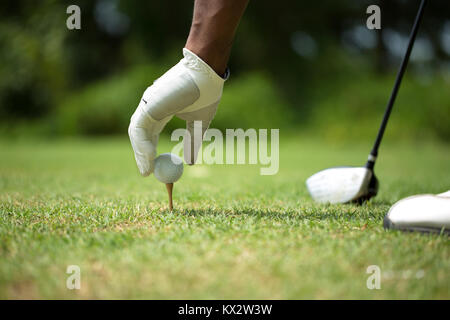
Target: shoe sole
388	224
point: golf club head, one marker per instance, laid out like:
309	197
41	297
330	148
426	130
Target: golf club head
343	185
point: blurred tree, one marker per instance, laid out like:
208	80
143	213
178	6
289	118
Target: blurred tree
306	47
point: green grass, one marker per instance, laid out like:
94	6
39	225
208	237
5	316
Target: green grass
234	233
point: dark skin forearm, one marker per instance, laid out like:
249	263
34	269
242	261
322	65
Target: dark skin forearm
213	29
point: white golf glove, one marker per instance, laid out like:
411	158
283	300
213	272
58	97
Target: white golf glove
191	90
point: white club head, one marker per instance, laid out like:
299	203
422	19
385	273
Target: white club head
342	185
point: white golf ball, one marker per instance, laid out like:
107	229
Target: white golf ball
168	168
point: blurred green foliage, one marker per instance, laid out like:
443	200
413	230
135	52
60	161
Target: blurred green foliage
355	109
293	67
251	101
104	107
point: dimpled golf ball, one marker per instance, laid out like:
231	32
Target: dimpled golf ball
168	168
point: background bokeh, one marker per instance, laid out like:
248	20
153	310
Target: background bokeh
309	67
71	194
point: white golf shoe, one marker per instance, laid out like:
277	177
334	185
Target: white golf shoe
424	212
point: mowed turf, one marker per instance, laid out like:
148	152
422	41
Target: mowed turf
233	234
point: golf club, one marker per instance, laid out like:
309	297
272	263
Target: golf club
358	184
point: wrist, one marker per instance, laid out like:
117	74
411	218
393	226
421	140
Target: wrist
217	60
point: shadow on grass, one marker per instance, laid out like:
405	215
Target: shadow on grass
303	212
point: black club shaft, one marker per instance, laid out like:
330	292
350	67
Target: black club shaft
374	153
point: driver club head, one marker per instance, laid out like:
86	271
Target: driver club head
357	184
343	185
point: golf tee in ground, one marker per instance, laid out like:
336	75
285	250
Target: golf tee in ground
169	187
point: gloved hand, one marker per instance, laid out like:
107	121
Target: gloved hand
191	90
